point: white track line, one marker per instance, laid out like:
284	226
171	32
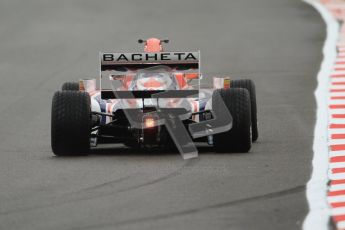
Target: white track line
319	212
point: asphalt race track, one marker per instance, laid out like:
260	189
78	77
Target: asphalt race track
45	43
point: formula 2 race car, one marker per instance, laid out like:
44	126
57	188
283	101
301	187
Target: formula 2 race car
151	100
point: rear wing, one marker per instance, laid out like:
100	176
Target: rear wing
117	69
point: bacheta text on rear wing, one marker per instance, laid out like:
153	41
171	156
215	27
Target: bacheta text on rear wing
119	71
149	58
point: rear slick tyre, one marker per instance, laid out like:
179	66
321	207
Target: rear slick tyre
70	123
250	86
73	86
238	138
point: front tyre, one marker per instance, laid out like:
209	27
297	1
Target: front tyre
238	138
70	123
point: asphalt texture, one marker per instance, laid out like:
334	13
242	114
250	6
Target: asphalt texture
46	43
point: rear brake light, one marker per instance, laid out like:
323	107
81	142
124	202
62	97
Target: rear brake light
149	122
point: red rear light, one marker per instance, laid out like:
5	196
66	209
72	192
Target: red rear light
149	122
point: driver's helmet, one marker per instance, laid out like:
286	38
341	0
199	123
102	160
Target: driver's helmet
153	81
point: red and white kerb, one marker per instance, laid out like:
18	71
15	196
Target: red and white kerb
336	122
